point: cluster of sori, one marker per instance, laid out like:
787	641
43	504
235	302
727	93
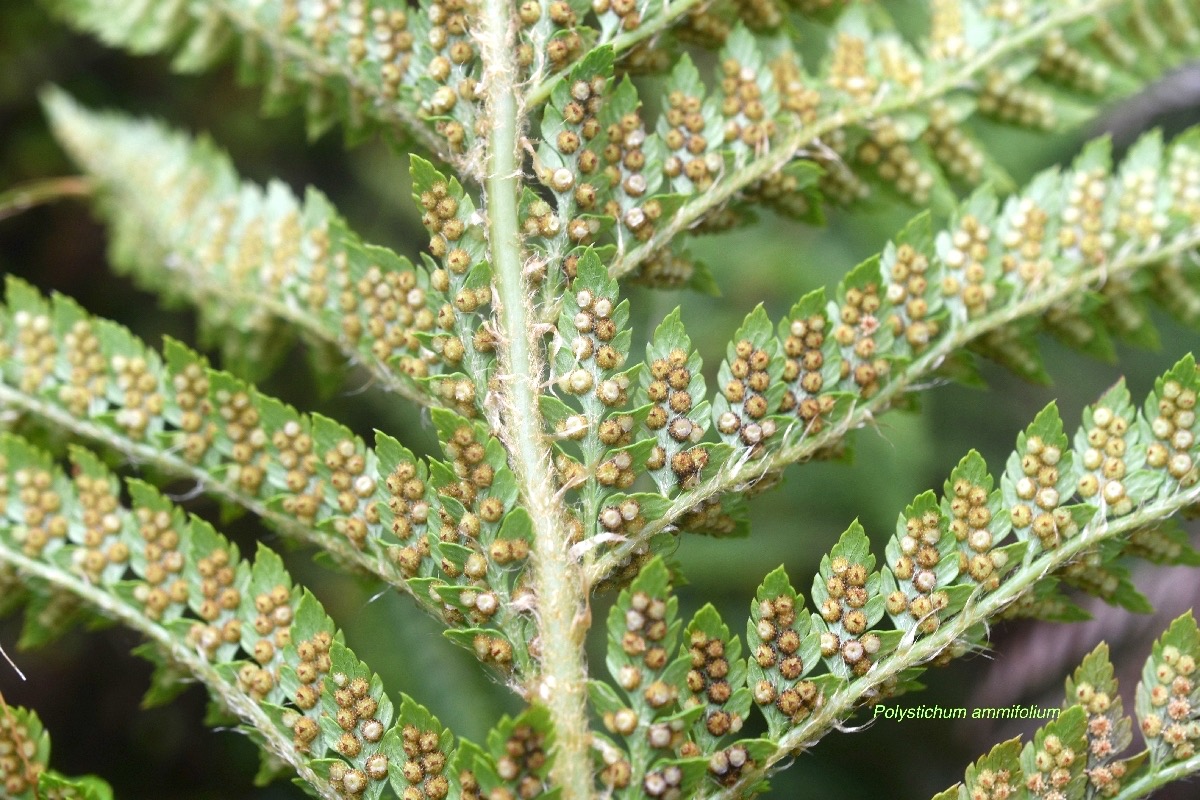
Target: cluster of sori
1080	752
270	257
516	764
426	770
930	293
201	606
596	457
598	166
688	132
1032	483
751	387
1169	724
709	680
350	59
976	523
779	634
678	414
459	290
677	703
1055	762
602	165
24	750
440	530
479	547
980	543
445	72
1093	687
918	566
265	649
841	592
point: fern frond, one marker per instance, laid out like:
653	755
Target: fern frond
264	649
256	263
344	65
566	469
464	341
1080	752
858	124
179	415
938	597
445	533
981	283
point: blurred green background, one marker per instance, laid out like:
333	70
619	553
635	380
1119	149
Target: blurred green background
87	687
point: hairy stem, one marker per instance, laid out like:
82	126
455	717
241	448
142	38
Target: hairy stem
557	580
740	474
792	142
230	696
980	608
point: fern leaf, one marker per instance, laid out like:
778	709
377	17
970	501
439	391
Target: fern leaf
345	66
1078	755
307	476
1052	762
1109	730
516	761
982	282
482	539
1165	689
872	103
675	419
463	340
648	715
264	649
939	609
253	261
784	650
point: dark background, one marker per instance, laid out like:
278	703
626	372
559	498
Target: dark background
87	686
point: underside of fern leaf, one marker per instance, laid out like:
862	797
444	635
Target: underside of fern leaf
560	152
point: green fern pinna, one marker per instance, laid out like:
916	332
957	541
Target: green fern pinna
558	149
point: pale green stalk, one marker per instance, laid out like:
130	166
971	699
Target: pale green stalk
1157	776
557	580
